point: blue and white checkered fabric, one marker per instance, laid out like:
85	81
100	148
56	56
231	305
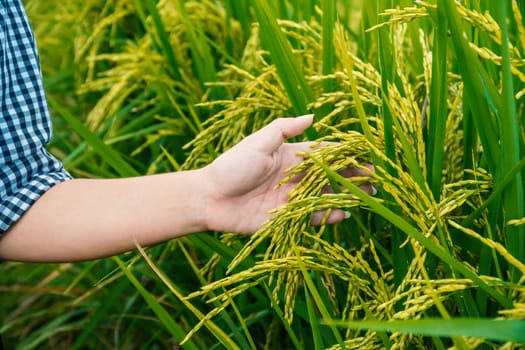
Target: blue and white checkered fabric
27	170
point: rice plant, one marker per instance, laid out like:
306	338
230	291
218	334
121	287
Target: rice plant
429	92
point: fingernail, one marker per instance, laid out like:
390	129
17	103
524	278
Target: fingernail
348	214
306	116
374	190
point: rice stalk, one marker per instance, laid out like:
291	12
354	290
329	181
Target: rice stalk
408	108
432	244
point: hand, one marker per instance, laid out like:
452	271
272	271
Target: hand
84	219
245	180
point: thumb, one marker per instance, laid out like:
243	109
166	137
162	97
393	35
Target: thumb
269	138
291	127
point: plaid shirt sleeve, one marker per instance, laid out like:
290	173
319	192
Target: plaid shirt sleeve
27	170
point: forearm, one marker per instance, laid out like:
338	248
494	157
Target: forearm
88	219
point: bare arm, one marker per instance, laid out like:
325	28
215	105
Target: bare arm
87	219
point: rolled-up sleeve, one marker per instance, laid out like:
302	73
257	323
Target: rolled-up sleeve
27	170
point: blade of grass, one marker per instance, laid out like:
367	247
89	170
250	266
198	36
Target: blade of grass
400	255
289	69
438	104
347	62
496	192
210	325
107	153
437	113
479	92
227	252
284	321
229	321
100	314
316	297
513	195
164	317
239	10
313	322
164	46
387	343
200	51
328	64
62	323
328	23
386	63
253	320
243	325
497	330
411	159
459	342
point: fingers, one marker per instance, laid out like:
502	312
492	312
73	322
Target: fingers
334	216
291	127
369	189
269	138
366	187
357	172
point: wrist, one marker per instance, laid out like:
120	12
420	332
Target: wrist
207	197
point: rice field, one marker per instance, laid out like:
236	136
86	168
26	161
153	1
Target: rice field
432	93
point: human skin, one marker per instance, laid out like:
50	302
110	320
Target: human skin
84	219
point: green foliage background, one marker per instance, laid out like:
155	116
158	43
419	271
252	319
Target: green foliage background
431	93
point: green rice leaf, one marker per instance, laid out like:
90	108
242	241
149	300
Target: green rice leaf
513	194
328	22
317	297
224	315
289	69
210	325
479	91
496	192
314	322
497	330
388	71
107	153
200	50
280	314
438	104
164	317
164	45
101	313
